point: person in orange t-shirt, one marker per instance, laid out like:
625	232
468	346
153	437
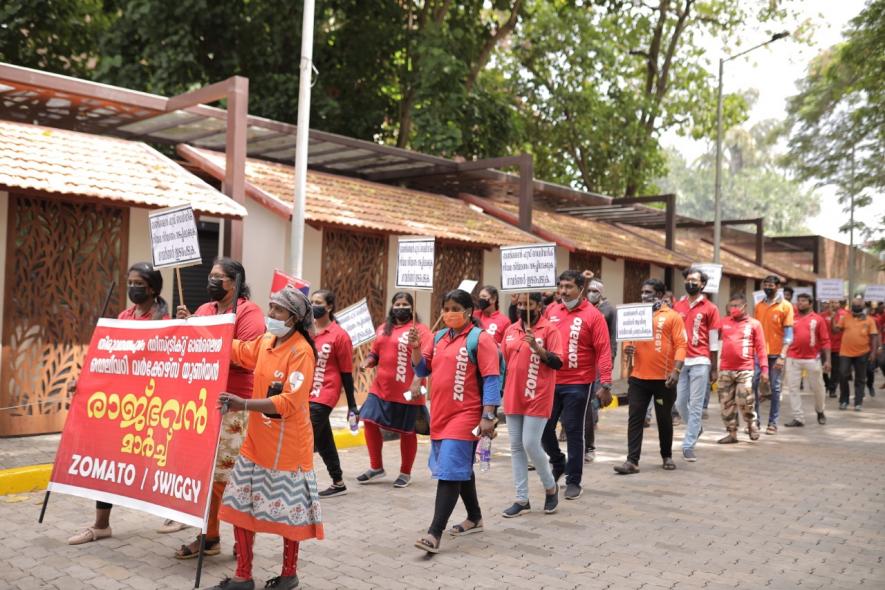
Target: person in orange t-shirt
273	486
656	367
860	341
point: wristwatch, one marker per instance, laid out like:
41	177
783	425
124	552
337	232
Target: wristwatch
489	416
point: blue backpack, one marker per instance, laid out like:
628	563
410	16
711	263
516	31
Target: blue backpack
472	347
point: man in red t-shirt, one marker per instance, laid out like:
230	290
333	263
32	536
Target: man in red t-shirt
833	315
810	338
742	342
701	319
586	347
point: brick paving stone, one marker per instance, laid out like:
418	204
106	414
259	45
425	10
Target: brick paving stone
797	510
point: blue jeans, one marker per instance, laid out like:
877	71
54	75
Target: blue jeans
569	401
691	389
525	441
775	376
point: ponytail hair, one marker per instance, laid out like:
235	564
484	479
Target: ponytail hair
299	327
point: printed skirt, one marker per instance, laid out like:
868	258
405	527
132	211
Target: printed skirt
391	415
233	433
263	500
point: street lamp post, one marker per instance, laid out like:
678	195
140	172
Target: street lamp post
717	204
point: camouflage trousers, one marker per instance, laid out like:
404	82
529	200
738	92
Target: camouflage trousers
736	394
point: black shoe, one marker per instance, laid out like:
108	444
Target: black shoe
551	501
402	481
229	584
557	473
282	582
573	491
336	489
794	424
843	406
516	509
832	394
369	475
821	418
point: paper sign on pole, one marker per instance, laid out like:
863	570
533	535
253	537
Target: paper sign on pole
714	275
830	289
528	268
357	322
281	279
143	425
874	293
802	291
634	322
174	240
468	285
414	263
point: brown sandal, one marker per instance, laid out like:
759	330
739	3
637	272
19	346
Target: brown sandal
426	545
212	547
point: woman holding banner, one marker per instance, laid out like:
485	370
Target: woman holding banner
466	391
489	316
145	284
249	326
334	371
273	487
532	349
395	398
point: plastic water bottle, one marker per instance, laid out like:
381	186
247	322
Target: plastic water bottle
354	423
484	454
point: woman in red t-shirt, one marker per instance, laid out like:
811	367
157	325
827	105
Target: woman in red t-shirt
395	397
465	394
490	317
334	370
145	284
532	350
249	326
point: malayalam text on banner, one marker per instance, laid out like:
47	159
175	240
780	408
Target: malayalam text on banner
143	426
875	293
357	322
528	268
714	275
414	263
174	239
830	289
634	322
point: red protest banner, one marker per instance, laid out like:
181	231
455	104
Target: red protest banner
281	279
143	428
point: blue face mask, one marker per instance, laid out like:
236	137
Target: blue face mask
276	327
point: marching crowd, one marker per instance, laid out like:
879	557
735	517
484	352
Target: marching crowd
548	360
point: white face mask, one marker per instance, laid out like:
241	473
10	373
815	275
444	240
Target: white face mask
276	327
570	305
594	297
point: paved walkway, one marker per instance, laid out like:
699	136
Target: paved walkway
803	509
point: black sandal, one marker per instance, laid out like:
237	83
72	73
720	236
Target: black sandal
212	547
458	530
425	545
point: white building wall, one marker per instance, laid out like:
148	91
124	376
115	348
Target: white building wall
613	278
265	248
4	229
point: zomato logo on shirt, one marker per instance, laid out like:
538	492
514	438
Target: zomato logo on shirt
320	372
573	335
460	374
402	357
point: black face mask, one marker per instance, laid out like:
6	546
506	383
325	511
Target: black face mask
402	314
319	311
770	292
692	289
549	299
657	304
138	294
484	303
216	290
857	309
524	316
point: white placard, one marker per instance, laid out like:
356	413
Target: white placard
174	240
357	322
468	285
874	293
758	296
714	275
414	263
830	289
528	268
802	290
635	322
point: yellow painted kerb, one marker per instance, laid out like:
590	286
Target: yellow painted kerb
24	479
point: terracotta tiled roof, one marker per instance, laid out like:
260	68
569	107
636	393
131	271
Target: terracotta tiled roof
776	263
340	200
600	238
701	251
70	163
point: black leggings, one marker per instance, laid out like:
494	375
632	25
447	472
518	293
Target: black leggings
99	505
447	493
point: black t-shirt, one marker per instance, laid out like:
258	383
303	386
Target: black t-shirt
608	312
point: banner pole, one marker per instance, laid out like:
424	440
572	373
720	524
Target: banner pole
104	309
209	491
200	560
528	313
180	287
